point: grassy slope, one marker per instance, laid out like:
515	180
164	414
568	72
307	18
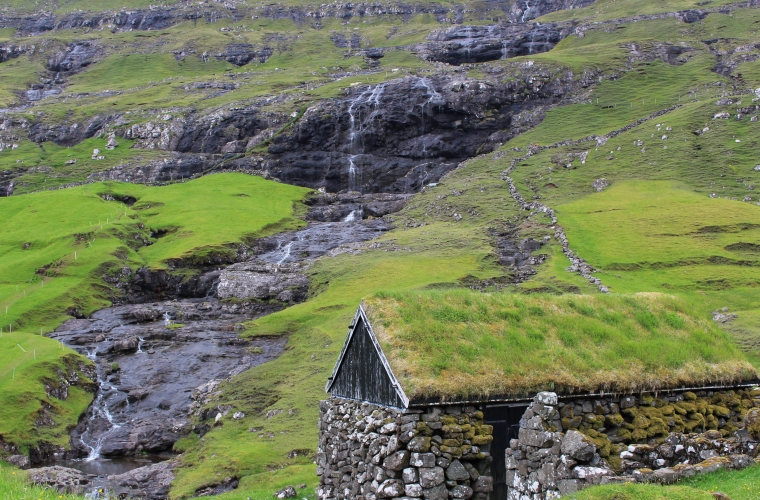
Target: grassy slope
649	239
25	360
70	249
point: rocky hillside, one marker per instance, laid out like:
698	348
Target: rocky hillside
523	147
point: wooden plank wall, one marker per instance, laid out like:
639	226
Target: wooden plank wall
362	375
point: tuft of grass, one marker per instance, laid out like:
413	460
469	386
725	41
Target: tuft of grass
464	344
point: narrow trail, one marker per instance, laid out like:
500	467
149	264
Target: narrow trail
578	264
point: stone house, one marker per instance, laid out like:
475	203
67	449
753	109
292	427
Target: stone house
381	439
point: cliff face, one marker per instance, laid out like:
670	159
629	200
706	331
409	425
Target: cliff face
390	137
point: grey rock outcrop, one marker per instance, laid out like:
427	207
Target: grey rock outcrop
151	482
241	54
63	479
20	461
263	281
475	44
74	58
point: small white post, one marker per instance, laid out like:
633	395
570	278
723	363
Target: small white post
75	256
21	347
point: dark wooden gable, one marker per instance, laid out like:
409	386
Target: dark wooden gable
362	371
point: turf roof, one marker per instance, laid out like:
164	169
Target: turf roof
458	344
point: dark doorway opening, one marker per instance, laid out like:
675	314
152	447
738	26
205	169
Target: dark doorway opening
506	425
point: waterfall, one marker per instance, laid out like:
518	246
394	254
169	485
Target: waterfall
167	319
140	340
503	49
98	409
352	176
354	216
285	253
433	99
370	99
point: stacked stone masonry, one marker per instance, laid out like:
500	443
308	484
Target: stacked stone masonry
563	447
367	452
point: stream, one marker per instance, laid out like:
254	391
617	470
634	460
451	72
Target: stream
157	361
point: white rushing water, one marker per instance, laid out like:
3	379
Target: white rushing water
285	253
353	174
98	409
354	216
360	112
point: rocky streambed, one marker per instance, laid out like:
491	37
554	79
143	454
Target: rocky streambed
159	362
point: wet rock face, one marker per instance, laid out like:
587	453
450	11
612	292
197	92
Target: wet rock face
263	281
12	51
399	135
74	58
474	44
145	392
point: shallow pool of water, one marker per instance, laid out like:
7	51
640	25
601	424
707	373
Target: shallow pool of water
109	466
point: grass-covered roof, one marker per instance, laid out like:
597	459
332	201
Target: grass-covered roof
464	344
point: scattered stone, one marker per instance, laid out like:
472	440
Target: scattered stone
65	480
720	496
20	461
600	184
287	492
112	143
238	415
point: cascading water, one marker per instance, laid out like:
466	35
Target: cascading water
98	410
285	253
433	99
503	49
370	98
352	174
354	216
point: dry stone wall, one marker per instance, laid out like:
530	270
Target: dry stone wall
368	452
563	447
